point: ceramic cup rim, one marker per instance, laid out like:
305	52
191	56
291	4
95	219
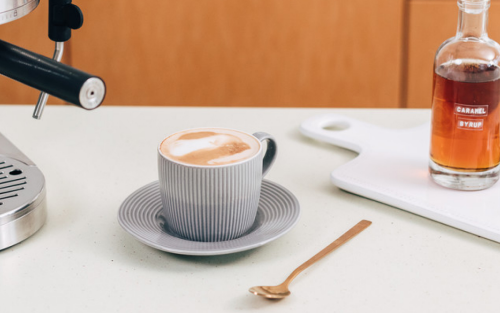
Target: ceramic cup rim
210	166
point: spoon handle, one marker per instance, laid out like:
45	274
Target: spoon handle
359	227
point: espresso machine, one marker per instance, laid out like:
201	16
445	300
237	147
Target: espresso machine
22	185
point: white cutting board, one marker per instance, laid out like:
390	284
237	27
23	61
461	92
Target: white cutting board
392	167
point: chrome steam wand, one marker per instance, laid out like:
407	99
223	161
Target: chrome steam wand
42	99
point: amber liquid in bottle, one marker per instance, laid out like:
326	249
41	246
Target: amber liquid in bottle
466	118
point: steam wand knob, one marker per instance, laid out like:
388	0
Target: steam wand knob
63	17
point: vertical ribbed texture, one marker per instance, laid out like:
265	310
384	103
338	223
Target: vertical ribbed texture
210	204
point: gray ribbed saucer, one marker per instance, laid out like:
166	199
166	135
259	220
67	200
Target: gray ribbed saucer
140	215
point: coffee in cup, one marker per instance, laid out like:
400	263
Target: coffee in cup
210	146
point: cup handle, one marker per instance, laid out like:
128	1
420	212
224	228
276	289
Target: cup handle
271	151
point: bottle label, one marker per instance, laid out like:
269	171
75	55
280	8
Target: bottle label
467	116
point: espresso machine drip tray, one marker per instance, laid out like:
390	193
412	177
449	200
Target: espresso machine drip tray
11	10
22	195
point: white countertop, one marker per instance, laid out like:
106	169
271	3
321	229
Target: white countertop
82	260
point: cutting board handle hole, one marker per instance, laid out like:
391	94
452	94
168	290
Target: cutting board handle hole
336	126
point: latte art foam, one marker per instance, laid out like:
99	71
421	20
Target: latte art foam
209	146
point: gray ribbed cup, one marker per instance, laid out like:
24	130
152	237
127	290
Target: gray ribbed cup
213	203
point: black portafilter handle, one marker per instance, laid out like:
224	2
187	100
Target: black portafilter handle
57	79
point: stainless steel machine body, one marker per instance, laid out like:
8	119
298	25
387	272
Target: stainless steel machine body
22	185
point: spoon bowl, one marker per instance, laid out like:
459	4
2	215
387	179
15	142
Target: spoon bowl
271	292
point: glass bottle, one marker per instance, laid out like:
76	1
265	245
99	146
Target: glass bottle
465	144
